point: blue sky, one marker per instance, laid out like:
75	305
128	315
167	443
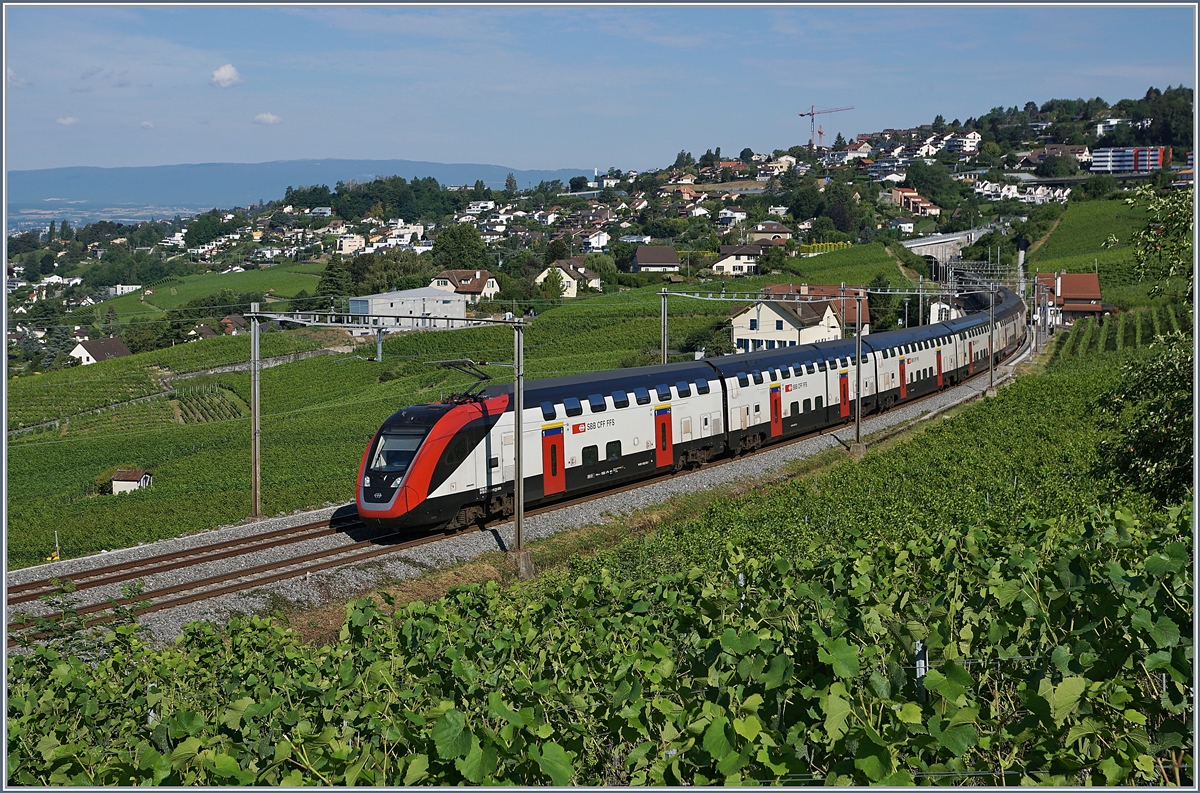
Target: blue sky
542	87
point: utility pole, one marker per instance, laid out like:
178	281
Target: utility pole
519	554
920	297
379	345
991	389
255	413
906	311
858	449
664	325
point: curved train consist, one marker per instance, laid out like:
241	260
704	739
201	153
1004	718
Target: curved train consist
451	464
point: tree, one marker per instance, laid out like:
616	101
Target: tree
510	186
578	183
139	338
1057	165
1162	250
1148	419
112	323
747	154
50	236
807	203
773	259
336	280
843	221
460	247
552	285
839	142
684	159
556	251
939	124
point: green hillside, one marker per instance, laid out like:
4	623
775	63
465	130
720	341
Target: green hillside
285	279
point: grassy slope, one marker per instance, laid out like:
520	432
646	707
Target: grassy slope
285	279
318	415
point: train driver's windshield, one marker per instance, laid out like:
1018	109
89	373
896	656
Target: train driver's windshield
396	450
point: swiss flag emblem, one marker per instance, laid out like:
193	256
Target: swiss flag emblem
578	428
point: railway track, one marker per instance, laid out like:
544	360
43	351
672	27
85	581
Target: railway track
294	567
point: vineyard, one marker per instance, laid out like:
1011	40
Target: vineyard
285	279
944	611
209	403
59	394
1127	330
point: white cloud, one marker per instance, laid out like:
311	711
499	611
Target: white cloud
67	121
11	78
147	125
226	77
267	118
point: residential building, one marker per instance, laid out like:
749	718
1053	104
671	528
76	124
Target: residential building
636	239
736	266
474	285
770	230
769	326
89	352
411	309
349	244
594	241
911	201
777	211
476	207
964	142
903	225
655	259
842	298
573	274
123	289
731	215
126	480
323	212
1109	124
233	325
1130	159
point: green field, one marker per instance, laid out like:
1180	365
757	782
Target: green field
286	279
768	638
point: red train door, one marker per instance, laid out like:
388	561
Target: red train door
903	380
939	368
970	357
554	470
844	393
664	448
776	412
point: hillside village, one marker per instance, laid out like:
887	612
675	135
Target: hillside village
707	218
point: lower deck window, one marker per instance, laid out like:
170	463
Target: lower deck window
590	455
612	451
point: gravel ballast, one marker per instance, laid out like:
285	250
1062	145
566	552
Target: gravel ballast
342	583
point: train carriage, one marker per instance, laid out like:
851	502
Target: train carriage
453	464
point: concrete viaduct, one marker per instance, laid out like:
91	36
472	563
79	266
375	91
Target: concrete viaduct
944	247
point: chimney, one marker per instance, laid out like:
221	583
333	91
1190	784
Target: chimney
476	273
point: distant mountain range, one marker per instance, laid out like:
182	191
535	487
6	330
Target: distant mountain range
83	194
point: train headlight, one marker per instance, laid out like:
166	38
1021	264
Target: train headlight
366	481
396	484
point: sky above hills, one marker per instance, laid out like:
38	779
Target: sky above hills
542	87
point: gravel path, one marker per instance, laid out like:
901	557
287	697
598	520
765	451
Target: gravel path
344	582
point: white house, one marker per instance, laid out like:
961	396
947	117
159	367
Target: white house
476	207
474	285
594	241
655	259
89	352
772	325
734	265
323	211
778	211
123	289
348	244
573	275
731	215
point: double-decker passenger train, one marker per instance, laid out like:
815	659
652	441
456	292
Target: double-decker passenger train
451	464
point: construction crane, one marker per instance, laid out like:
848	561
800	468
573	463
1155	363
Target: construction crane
812	116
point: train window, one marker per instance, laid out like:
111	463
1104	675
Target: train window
493	462
702	387
821	366
553	460
548	412
786	373
863	359
591	455
597	403
743	380
758	378
664	392
807	405
641	395
612	451
885	355
795	409
843	363
798	369
683	389
662	436
620	399
819	402
573	407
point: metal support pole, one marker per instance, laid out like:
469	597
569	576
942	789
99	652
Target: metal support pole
920	298
379	344
255	415
858	449
664	325
518	553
